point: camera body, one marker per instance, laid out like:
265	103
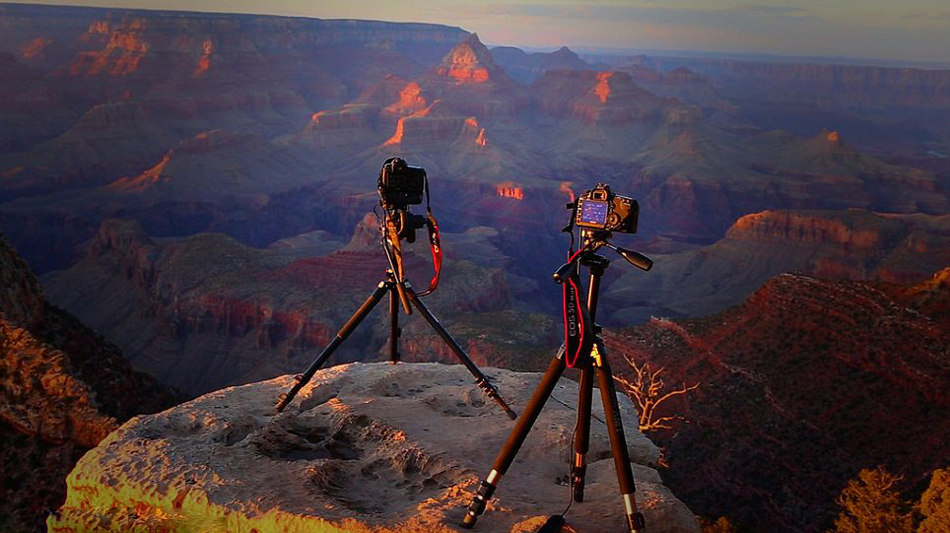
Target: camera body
601	209
400	184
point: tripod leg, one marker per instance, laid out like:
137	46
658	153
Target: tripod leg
341	336
585	389
480	379
618	442
515	439
394	331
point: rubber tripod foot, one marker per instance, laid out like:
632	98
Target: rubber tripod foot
554	524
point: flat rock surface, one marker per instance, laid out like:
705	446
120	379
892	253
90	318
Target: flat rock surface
363	448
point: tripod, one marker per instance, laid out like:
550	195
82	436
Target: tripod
594	362
399	292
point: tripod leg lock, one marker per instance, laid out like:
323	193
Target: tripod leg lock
477	507
578	472
492	392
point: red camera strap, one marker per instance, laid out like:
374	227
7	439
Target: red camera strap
575	320
435	244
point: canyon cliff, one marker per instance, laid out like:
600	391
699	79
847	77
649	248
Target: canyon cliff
63	388
801	386
210	312
851	244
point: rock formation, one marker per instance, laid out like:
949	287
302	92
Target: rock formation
365	447
258	312
527	67
605	97
861	86
471	82
145	80
852	244
62	389
801	386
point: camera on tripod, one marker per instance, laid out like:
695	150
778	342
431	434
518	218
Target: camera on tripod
401	185
598	213
601	209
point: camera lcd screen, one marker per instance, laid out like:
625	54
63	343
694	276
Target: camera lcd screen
594	213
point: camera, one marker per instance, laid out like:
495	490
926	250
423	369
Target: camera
601	209
400	184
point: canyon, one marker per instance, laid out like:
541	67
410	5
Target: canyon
198	189
800	386
63	388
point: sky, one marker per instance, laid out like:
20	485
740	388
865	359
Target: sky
914	30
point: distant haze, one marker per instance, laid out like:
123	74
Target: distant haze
912	30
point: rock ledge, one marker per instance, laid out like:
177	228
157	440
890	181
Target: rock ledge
364	448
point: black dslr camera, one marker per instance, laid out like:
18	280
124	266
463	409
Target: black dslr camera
399	184
600	209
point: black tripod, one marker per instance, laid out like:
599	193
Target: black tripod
594	362
399	292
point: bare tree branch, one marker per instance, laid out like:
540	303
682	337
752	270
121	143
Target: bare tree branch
646	389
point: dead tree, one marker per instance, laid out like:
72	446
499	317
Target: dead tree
647	390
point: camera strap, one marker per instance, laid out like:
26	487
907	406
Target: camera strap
578	340
435	244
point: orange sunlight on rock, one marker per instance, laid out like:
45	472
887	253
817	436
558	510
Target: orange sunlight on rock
566	188
121	54
35	47
410	100
204	63
464	67
397	137
481	140
602	90
509	189
143	180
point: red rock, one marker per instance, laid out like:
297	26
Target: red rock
594	97
62	389
801	386
471	82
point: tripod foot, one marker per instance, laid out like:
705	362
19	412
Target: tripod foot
477	507
635	521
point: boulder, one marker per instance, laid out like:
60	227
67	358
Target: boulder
364	447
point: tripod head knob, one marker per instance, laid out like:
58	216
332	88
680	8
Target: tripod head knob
634	258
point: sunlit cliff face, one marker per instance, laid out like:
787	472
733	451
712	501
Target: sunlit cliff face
35	48
566	188
204	63
122	53
510	189
410	100
602	89
465	67
481	140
